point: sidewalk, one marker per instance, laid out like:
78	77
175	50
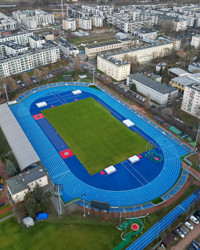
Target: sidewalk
188	239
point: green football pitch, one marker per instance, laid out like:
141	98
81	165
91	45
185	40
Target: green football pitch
96	137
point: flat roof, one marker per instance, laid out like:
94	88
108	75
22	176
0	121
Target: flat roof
17	140
163	88
178	71
101	45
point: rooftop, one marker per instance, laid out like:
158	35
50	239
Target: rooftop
102	45
162	88
20	182
178	71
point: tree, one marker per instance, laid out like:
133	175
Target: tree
167	26
106	79
26	78
148	102
11	170
133	87
45	72
37	74
134	63
77	63
1	82
11	83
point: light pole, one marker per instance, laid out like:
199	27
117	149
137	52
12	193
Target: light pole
5	89
93	75
83	195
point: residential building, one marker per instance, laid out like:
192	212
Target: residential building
68	48
69	24
182	81
48	36
11	65
19	38
31	19
191	99
11	48
175	72
84	23
195	41
36	41
97	21
117	69
19	185
7	23
145	34
161	93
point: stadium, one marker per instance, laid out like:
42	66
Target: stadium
98	148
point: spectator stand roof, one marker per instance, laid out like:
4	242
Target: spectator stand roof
17	140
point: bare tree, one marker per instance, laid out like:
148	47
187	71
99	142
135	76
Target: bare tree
77	64
106	79
37	74
167	26
45	72
11	83
148	102
134	64
1	82
26	78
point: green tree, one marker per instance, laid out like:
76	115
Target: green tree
133	87
10	168
30	204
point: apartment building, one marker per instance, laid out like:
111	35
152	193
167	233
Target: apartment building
31	19
84	23
158	92
195	41
191	99
194	67
20	38
36	41
142	54
7	23
97	21
69	24
11	65
11	48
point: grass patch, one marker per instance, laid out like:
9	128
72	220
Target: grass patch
6	213
157	200
195	159
96	137
187	118
68	232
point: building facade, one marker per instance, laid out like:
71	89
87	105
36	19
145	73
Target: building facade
69	24
195	41
85	23
161	93
7	23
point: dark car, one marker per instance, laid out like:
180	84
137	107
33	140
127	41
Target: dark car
2	204
196	242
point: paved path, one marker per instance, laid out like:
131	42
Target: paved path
7	217
188	239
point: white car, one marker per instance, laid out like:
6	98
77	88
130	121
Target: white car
194	219
180	233
188	225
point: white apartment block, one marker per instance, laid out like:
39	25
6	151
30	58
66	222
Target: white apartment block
69	24
142	54
97	21
11	48
117	69
158	92
195	41
31	19
11	65
19	38
191	99
7	23
19	185
84	23
36	41
145	34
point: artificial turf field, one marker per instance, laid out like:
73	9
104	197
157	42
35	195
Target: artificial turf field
96	137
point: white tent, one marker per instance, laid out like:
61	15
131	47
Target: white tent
28	222
76	92
134	159
128	123
41	104
110	170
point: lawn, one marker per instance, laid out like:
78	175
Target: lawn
6	213
96	137
84	234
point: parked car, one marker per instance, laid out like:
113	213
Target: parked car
2	204
197	242
183	230
194	219
188	225
190	248
180	233
195	246
166	125
197	216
